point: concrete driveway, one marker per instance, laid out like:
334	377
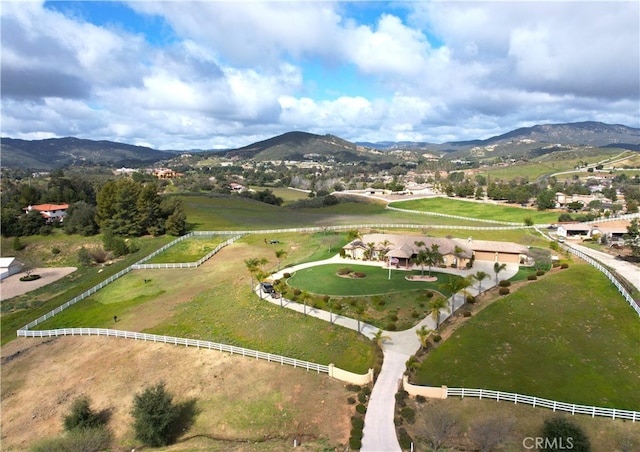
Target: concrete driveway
12	286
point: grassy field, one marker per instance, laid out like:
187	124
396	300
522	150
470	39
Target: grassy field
569	336
214	302
484	211
189	250
207	213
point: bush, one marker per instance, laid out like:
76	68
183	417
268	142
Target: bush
564	430
393	317
404	439
362	398
381	302
29	278
401	395
415	315
286	275
564	265
429	294
297	292
357	422
503	291
540	273
17	245
353	388
356	433
86	440
361	409
355	443
391	326
55	251
359	274
437	338
366	390
154	416
82	416
344	271
408	414
466	313
351	400
532	277
84	257
421	399
471	299
326	298
504	283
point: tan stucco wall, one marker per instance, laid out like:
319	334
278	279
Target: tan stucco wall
425	391
490	256
350	377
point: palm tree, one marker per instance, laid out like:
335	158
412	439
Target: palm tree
423	333
305	296
412	364
434	256
371	246
497	268
480	276
359	311
253	265
436	304
458	253
421	259
280	254
385	244
455	285
379	337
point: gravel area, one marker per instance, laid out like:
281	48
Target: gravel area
12	286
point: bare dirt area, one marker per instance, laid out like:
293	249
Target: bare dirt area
12	286
241	403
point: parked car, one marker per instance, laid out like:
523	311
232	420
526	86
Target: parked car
268	288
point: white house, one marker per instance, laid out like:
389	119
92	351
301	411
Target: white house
50	211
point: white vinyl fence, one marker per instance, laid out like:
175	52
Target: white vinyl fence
178	341
545	403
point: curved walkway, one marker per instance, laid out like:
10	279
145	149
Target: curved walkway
379	434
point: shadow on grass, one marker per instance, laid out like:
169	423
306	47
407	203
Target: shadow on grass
186	413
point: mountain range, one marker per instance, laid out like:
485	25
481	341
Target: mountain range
529	141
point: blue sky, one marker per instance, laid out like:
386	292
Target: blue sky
224	74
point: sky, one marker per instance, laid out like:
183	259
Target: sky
186	75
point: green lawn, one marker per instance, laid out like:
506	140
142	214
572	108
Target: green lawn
188	250
568	336
484	211
323	279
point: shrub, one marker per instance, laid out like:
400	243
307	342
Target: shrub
355	443
409	414
351	400
404	439
397	421
359	274
401	395
429	294
99	255
471	299
297	292
17	245
29	278
504	283
353	388
356	433
466	313
532	277
82	416
360	408
286	275
391	326
503	291
564	265
393	317
86	440
326	298
55	251
437	338
366	390
381	303
357	422
362	398
344	271
415	315
560	428
421	399
540	273
84	257
154	415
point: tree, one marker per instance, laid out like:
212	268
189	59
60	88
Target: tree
546	199
564	432
632	237
148	209
497	268
31	224
433	257
412	364
154	415
280	254
480	276
423	334
116	207
80	219
82	416
436	305
371	246
253	265
176	223
438	428
487	434
421	259
455	285
379	338
359	308
458	252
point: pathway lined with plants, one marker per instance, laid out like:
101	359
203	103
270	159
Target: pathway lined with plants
379	431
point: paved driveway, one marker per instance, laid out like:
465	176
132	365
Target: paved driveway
12	286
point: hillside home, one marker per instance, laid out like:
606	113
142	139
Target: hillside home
51	212
401	249
613	230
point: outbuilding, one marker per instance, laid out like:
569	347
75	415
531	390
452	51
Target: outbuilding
9	266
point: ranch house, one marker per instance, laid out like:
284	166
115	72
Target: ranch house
52	212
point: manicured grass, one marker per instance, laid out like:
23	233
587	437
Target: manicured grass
480	210
323	279
568	336
189	250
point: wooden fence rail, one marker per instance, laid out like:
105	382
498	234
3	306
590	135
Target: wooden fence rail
593	411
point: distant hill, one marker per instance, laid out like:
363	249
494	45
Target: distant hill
531	140
304	146
55	153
